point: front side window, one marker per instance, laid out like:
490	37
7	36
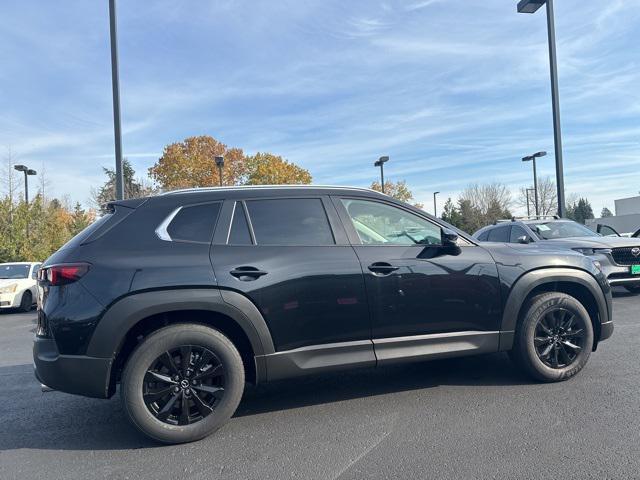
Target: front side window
290	221
517	232
380	224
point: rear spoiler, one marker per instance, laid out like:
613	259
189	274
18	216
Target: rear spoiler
132	203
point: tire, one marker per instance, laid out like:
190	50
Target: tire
633	288
559	323
221	378
26	302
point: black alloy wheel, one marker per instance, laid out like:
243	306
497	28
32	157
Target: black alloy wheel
559	338
184	385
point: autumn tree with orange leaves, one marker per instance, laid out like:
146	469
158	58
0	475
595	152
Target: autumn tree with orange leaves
190	163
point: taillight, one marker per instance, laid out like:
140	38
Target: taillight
64	274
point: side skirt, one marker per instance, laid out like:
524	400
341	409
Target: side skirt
382	351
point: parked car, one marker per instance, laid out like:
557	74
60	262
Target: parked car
619	257
182	297
609	231
18	285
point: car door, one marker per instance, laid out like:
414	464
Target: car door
415	285
291	258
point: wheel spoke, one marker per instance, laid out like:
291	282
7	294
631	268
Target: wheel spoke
547	350
203	408
202	361
542	324
167	359
154	396
573	333
185	354
211	372
215	391
573	346
168	407
565	355
569	322
539	341
184	410
159	377
554	358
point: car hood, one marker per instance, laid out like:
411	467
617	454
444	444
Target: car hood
591	242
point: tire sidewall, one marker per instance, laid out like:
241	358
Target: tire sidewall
537	310
167	339
25	306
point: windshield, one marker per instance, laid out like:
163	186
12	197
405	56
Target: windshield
552	230
9	270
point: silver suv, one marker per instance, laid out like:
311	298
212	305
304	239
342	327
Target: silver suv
618	257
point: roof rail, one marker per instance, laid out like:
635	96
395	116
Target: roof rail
538	217
249	187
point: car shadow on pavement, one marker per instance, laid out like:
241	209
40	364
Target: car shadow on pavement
58	421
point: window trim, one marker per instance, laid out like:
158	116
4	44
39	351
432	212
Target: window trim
353	236
252	237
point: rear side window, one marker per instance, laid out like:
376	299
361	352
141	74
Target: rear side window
239	233
299	221
499	234
194	223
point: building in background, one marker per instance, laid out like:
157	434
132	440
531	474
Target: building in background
626	218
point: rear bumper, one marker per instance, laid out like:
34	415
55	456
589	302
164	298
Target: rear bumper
78	374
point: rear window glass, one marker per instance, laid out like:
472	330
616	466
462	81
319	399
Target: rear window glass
87	232
295	221
194	223
500	234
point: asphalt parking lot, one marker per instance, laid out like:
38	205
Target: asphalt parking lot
475	417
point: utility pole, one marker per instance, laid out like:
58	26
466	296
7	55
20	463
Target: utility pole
115	84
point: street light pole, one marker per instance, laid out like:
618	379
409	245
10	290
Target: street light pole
531	6
27	171
220	165
115	84
535	176
528	209
380	163
435	211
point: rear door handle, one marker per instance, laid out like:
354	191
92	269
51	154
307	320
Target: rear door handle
247	273
382	268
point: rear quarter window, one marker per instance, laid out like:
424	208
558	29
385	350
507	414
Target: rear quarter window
194	223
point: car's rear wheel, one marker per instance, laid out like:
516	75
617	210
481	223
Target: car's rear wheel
182	383
633	287
554	337
26	302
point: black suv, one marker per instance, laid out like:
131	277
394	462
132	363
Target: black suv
183	297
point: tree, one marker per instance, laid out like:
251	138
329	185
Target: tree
397	190
132	188
547	197
451	214
580	211
483	204
80	219
191	163
605	213
269	169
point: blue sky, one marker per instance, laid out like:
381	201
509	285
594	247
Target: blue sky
453	91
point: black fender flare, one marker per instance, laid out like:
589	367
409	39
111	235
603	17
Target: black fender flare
530	280
124	314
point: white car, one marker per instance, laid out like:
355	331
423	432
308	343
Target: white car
18	285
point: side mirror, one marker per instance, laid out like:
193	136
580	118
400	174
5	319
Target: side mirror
524	239
449	238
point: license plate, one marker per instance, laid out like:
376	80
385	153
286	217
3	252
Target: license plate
635	269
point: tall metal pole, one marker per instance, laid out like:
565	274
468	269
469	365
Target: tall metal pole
220	173
115	83
555	101
26	188
535	187
528	210
435	211
382	175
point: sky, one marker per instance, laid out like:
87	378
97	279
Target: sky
453	91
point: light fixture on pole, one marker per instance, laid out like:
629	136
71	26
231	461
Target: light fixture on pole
27	171
220	164
380	163
435	210
529	158
531	6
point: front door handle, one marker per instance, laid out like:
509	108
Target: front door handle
382	268
246	274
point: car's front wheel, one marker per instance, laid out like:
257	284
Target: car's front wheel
182	383
554	337
26	302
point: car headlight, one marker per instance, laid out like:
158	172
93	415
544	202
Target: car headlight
9	288
592	251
